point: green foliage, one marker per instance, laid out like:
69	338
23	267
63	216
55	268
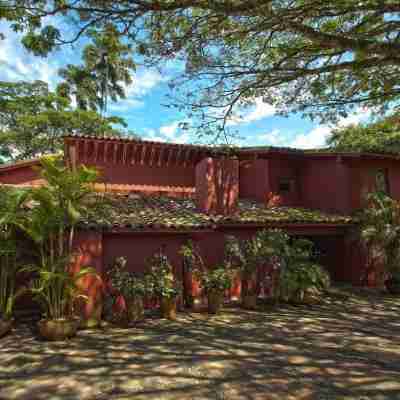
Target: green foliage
106	71
380	232
247	255
55	210
314	56
382	136
215	279
126	283
33	121
11	215
161	276
299	276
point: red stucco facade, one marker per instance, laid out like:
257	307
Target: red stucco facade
332	182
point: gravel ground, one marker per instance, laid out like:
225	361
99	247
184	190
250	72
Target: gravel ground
346	348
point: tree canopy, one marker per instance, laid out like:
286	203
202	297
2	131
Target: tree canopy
314	56
381	136
33	121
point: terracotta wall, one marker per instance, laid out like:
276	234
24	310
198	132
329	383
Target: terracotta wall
145	175
326	185
254	179
20	175
289	170
217	185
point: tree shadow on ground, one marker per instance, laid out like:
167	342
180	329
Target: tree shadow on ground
345	348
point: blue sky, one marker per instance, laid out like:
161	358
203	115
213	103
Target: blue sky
143	109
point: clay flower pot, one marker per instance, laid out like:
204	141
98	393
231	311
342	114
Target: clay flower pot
249	301
215	301
168	307
135	309
5	326
59	329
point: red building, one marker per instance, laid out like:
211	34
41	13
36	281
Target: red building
166	193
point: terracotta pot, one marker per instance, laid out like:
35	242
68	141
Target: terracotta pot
393	286
168	308
135	309
5	326
249	301
59	329
215	301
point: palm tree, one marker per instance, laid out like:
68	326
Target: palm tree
106	71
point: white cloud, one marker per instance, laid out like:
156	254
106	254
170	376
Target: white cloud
312	139
170	130
273	138
258	111
317	137
143	82
16	63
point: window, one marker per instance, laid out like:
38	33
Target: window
285	185
382	181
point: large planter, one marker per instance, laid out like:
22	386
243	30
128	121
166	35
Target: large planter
249	301
135	309
5	326
59	329
393	286
215	301
168	307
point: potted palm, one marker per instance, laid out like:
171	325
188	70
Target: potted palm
55	210
164	285
215	282
11	206
301	280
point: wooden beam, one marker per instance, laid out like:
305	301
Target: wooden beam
133	154
115	152
171	151
124	152
160	156
152	155
143	154
178	154
96	150
186	159
85	150
105	151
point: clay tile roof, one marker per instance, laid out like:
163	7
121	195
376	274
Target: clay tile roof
141	212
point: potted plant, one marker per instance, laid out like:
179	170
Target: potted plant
215	282
55	210
164	285
132	288
246	256
380	235
301	280
11	206
56	290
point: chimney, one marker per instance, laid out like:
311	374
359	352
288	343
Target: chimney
217	185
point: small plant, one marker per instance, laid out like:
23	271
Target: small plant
301	279
217	279
161	276
126	283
